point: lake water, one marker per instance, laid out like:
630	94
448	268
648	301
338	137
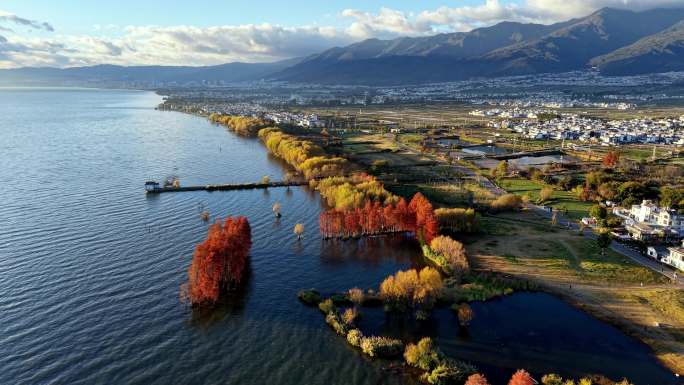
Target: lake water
90	266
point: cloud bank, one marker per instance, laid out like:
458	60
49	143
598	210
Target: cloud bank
8	18
188	45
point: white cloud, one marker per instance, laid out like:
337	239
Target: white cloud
9	18
387	23
465	18
178	45
187	45
556	10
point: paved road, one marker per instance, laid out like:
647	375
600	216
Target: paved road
626	250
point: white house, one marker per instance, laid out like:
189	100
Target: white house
648	220
676	257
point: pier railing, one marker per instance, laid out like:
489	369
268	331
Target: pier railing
227	187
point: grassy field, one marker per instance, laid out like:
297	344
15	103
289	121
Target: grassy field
443	194
526	241
576	209
611	287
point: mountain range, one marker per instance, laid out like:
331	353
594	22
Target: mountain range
617	42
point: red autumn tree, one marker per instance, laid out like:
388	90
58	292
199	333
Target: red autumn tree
219	262
476	379
611	159
427	226
373	218
521	377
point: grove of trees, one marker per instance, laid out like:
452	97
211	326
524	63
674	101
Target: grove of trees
243	125
412	289
373	218
458	219
219	262
305	156
349	192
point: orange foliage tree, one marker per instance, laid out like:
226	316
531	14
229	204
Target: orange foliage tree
521	377
427	226
611	159
477	379
219	262
373	218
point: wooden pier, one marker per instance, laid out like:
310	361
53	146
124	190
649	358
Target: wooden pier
226	187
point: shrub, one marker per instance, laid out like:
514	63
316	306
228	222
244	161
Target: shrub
453	251
350	315
354	337
423	355
340	299
449	372
506	202
327	306
356	295
381	346
476	379
465	314
310	297
545	194
336	322
552	379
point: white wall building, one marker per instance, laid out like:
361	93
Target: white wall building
647	220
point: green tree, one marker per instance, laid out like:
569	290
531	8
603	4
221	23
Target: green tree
631	192
501	170
671	197
603	241
598	212
595	179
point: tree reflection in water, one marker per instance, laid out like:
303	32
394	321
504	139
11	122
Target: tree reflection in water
230	303
372	251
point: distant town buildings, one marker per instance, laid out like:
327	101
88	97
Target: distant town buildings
647	221
584	129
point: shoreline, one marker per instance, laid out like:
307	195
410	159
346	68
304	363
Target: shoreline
622	324
583	303
592	299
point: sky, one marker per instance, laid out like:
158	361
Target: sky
71	33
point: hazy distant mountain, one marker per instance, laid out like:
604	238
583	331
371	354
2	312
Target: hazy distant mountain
142	76
573	46
661	52
455	45
618	41
390	61
501	50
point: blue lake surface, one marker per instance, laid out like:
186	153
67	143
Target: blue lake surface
90	267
